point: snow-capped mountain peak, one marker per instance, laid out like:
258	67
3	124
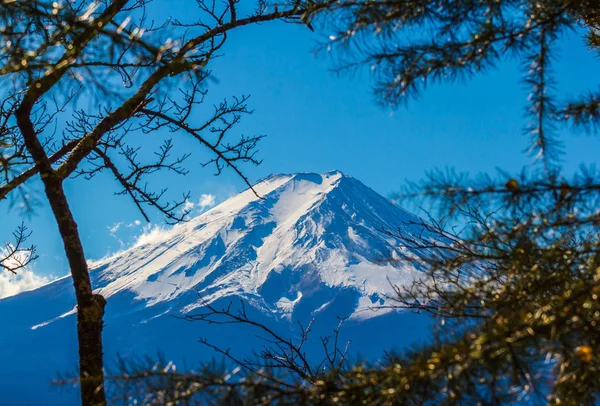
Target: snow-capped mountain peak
309	248
275	246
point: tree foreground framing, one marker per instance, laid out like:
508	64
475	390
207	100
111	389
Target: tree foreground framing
144	77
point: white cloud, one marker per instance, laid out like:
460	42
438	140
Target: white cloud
151	234
136	223
24	280
206	201
118	229
187	206
114	228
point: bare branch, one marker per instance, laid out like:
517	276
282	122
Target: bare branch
15	255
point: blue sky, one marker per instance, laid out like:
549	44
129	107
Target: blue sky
317	121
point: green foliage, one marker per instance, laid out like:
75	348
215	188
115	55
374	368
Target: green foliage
410	44
516	290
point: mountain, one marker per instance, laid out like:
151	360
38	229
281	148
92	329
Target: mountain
297	248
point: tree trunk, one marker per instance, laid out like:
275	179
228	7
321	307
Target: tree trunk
90	306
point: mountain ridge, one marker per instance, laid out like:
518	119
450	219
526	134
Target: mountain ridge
321	224
310	248
241	242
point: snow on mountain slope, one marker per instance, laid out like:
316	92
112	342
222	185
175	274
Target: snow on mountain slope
315	229
310	247
305	233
